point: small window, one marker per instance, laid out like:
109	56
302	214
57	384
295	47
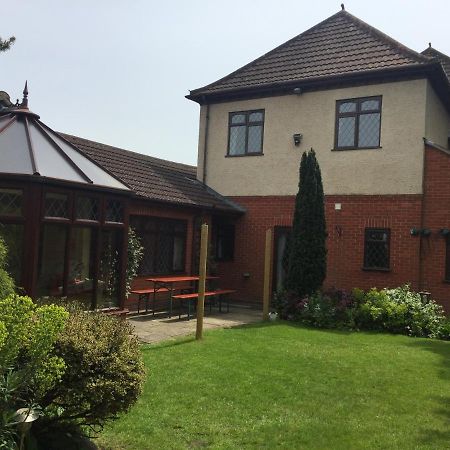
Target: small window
114	211
224	243
87	208
358	123
377	249
11	202
56	205
245	133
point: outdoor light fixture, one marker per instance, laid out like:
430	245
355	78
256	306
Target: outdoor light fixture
297	139
414	232
298	91
444	231
246	275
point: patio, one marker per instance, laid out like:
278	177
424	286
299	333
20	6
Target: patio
151	329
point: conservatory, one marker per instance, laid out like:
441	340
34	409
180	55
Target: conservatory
63	217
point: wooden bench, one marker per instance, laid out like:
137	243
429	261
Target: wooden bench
144	294
194	296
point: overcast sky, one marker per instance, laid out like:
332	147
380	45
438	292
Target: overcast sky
117	71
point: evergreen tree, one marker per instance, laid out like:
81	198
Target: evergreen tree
306	258
6	44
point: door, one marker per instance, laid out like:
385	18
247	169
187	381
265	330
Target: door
282	235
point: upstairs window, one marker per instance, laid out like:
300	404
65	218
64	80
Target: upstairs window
358	123
245	133
377	249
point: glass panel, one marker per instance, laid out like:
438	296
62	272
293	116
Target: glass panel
237	140
87	208
255	134
80	284
56	205
114	211
238	118
109	274
347	107
369	130
377	249
52	251
12	234
370	105
346	132
256	117
11	202
164	254
178	254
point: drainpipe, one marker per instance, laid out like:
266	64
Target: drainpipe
422	217
205	145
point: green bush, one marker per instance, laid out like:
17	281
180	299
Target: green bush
444	332
6	282
104	372
27	368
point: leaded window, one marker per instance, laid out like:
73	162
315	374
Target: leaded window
11	202
87	208
358	123
377	248
245	133
114	211
56	205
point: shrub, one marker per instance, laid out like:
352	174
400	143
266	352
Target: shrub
444	332
6	282
134	258
104	374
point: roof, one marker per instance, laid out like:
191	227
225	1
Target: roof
29	147
441	57
340	46
153	178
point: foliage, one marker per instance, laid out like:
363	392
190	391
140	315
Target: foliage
398	310
444	332
6	281
135	255
27	368
5	44
104	372
306	267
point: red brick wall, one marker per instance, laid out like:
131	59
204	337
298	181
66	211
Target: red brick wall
346	227
436	217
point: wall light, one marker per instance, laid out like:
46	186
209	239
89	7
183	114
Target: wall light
297	139
444	231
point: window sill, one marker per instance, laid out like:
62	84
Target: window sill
343	149
245	154
375	269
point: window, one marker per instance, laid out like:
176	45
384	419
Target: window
10	202
224	242
245	133
376	248
56	205
358	123
87	209
164	242
114	211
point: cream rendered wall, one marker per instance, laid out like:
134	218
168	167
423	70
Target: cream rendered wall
437	124
396	168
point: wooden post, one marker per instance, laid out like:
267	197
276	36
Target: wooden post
202	281
267	271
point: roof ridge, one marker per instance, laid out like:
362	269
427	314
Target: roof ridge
432	49
137	155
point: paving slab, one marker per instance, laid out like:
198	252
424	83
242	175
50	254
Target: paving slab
157	328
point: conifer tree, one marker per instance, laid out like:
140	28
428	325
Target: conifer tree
306	258
6	44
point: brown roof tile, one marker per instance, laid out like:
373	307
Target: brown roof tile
441	57
154	178
340	45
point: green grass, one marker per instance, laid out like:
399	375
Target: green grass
283	386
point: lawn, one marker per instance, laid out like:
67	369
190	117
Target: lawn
284	386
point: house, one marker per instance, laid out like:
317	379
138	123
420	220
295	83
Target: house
66	205
378	116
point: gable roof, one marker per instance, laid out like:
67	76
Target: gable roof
339	47
153	178
441	57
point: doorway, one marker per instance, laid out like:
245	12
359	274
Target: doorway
281	235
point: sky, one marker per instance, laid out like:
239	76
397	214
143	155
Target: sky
117	71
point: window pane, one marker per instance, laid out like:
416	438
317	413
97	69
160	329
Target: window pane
52	251
12	234
10	202
238	118
109	276
56	205
370	105
178	253
255	134
80	286
369	130
256	117
114	211
346	132
377	249
87	208
164	254
347	107
237	140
